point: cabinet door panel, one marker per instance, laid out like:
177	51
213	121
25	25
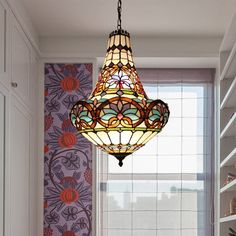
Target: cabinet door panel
2	154
20	63
20	170
2	40
33	82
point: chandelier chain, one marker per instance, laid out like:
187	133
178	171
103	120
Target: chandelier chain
119	9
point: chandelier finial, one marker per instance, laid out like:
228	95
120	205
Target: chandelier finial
119	9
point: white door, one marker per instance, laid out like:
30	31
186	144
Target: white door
20	169
20	63
2	155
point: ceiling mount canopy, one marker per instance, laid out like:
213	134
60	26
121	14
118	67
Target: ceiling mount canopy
118	117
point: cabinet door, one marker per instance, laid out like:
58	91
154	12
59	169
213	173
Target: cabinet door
20	63
3	32
20	169
2	157
34	82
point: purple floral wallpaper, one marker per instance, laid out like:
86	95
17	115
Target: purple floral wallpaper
68	155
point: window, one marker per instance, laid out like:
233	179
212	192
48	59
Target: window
165	188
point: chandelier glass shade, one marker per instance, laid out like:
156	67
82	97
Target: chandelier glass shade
118	117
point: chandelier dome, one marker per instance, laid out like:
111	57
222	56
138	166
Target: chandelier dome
118	117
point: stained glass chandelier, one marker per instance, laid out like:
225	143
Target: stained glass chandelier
118	117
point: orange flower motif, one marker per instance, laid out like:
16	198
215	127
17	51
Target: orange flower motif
45	204
70	84
47	232
67	140
46	148
68	233
69	196
88	176
46	92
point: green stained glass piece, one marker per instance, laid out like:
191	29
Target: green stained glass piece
156	112
109	111
137	100
86	118
89	101
83	113
107	117
132	117
130	111
73	119
152	118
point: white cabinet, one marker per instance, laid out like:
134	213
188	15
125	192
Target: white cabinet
20	68
4	46
19	201
227	141
33	82
2	38
20	142
2	159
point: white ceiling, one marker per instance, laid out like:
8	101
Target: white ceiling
140	17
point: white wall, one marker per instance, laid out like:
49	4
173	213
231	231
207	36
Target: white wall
142	46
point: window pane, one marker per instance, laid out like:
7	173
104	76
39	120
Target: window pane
144	219
144	164
192	145
193	126
174	127
162	189
151	91
190	91
169	91
169	186
169	164
192	107
175	107
169	201
164	144
168	219
144	201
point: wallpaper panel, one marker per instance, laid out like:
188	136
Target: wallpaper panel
68	155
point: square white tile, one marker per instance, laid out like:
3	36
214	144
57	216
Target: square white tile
168	219
144	220
119	220
175	232
169	201
117	232
144	201
119	201
144	232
